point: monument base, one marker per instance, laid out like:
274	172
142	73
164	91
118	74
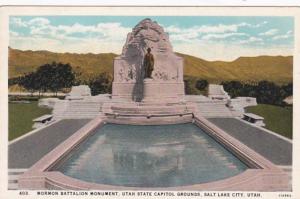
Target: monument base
148	91
154	91
142	113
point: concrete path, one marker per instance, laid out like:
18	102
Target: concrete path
275	149
27	151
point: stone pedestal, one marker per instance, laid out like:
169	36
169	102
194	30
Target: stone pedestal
166	92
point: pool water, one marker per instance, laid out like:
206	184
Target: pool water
151	156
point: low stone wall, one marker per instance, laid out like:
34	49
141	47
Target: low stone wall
48	102
237	105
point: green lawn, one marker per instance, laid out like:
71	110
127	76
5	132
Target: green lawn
21	116
277	119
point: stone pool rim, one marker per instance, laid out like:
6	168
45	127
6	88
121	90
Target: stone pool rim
262	175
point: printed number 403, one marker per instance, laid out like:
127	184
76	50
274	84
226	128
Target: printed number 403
23	193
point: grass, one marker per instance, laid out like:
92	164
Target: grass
277	119
21	116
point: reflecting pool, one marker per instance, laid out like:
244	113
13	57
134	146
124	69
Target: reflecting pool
150	156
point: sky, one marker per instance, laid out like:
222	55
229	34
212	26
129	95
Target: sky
209	37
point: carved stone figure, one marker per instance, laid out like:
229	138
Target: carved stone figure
148	64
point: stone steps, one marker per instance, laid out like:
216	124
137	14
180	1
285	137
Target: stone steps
77	110
137	110
13	177
214	110
150	111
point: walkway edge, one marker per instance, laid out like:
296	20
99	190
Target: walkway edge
32	132
266	130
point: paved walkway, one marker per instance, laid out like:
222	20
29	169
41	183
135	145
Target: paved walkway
273	148
25	152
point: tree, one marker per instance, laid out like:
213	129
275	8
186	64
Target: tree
52	77
14	80
62	77
45	75
189	86
28	81
201	84
268	93
234	88
101	84
287	90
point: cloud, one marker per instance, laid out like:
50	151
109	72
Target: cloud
225	52
17	22
212	31
41	27
38	21
220	28
287	35
199	48
184	37
76	38
223	36
192	33
211	42
269	32
244	24
13	34
69	44
251	40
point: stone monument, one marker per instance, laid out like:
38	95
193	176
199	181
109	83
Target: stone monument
164	81
148	85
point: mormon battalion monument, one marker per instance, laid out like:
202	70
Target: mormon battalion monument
148	69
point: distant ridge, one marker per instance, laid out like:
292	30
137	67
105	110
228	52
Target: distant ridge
278	69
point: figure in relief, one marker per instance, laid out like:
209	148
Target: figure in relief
148	64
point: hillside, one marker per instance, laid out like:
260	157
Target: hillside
278	69
89	65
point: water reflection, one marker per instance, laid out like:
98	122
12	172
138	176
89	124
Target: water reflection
151	156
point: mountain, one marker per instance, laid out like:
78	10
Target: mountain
89	65
278	69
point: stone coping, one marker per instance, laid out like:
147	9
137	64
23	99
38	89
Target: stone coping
262	175
43	118
244	153
251	180
253	116
150	119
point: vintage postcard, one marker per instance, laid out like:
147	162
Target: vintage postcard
149	102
